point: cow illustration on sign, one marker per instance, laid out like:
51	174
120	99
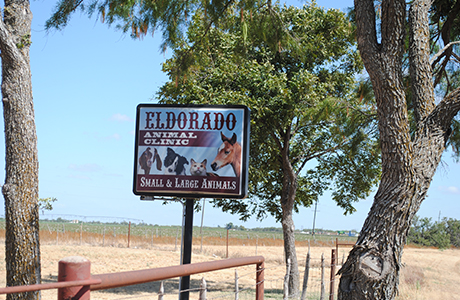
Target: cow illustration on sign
229	152
147	158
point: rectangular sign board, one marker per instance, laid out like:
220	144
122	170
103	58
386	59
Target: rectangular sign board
199	151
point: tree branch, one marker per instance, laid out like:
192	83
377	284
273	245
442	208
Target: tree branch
7	45
392	27
442	51
447	26
366	31
447	109
419	64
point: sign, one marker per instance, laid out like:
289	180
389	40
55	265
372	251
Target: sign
191	151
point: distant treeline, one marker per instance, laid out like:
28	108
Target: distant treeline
226	226
442	234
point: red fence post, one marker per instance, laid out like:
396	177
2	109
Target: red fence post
70	269
260	281
333	263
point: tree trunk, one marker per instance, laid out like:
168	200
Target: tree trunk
290	253
287	205
21	183
408	163
372	268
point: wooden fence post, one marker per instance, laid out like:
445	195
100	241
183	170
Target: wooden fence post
177	236
323	286
237	290
161	292
129	234
203	289
333	262
305	277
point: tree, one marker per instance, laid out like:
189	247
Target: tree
414	130
21	183
302	107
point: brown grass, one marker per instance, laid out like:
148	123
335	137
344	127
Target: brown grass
426	274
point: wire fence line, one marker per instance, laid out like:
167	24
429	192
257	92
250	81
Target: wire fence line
122	236
230	287
117	229
168	238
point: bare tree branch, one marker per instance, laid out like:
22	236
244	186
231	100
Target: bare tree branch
442	51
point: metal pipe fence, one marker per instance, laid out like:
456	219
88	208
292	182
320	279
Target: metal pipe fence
73	268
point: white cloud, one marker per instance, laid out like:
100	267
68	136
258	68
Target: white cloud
80	177
120	118
85	168
450	189
114	136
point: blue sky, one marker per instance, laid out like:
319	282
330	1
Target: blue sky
87	81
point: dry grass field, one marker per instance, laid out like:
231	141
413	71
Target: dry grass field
427	274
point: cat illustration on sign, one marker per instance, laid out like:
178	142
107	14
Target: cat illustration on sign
199	168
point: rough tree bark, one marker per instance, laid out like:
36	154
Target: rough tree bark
21	183
408	162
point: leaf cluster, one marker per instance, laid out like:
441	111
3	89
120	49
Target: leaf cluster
139	18
46	203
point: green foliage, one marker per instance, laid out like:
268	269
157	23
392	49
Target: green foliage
138	17
438	234
453	230
235	227
295	69
445	30
46	203
24	41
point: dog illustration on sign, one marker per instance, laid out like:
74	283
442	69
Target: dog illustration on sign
229	152
145	160
174	163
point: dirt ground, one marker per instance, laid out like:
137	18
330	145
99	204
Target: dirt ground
427	274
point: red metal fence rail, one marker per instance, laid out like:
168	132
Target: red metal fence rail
73	269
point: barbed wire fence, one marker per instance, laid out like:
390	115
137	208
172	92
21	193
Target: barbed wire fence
232	289
128	232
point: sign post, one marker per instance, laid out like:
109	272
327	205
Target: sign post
191	151
187	237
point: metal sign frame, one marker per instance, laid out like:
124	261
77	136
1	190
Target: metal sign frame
198	151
